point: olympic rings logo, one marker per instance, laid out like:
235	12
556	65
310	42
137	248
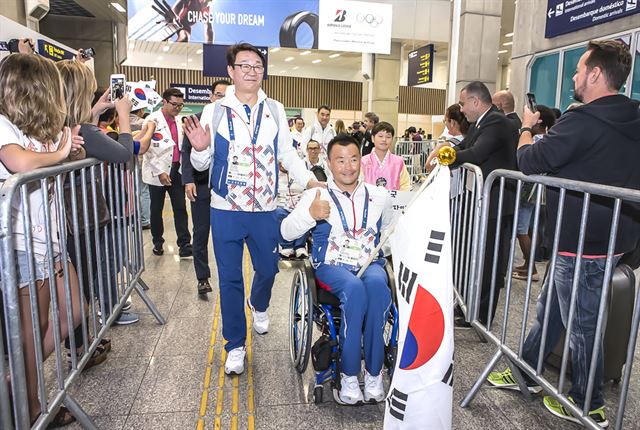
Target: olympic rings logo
371	19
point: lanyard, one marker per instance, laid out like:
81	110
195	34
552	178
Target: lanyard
343	218
256	130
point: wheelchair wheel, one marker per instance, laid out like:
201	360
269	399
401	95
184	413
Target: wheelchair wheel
391	326
388	268
391	341
300	321
318	392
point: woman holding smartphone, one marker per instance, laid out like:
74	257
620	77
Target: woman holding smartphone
79	88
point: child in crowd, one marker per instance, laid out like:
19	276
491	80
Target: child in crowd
381	167
32	114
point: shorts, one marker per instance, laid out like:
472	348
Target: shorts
40	267
524	218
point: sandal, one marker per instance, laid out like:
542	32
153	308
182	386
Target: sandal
523	276
99	356
63	418
105	344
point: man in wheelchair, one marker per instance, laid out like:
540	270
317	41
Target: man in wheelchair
347	219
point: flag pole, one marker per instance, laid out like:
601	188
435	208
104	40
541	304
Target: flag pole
446	156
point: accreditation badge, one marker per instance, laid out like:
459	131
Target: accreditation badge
350	252
239	166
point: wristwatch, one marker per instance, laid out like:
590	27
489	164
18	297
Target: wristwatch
523	129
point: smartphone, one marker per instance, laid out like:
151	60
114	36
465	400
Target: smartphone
88	53
118	83
531	102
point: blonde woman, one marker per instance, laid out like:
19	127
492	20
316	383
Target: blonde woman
32	114
340	128
79	88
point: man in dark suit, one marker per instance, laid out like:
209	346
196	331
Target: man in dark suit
490	144
196	187
505	102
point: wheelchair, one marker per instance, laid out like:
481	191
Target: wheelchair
309	306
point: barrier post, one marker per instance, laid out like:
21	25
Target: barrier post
511	343
65	232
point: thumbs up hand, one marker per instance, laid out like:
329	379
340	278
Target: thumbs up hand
319	209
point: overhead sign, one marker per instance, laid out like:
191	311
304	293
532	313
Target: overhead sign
355	26
307	24
194	93
571	15
214	60
421	66
53	51
286	23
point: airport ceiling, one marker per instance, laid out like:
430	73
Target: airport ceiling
104	9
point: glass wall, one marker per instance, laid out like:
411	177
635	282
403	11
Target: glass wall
635	83
548	67
569	63
544	73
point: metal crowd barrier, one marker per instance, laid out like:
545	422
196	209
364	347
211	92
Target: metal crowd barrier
509	329
415	155
116	249
466	206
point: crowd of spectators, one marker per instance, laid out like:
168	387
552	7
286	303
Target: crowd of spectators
53	113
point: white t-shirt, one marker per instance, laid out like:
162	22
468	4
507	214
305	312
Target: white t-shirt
10	134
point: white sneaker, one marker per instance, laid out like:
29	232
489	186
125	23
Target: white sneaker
286	252
373	388
235	361
302	253
350	393
260	320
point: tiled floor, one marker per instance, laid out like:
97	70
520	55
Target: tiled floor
156	375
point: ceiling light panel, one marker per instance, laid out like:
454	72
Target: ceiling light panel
118	7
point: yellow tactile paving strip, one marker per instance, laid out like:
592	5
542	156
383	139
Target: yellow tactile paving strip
208	372
250	397
218	409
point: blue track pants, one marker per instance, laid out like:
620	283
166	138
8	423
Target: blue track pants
365	306
230	230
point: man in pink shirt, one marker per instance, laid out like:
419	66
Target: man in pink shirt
161	170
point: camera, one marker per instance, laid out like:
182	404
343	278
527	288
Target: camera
14	46
88	53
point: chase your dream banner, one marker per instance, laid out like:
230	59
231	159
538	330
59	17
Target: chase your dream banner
306	24
286	23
